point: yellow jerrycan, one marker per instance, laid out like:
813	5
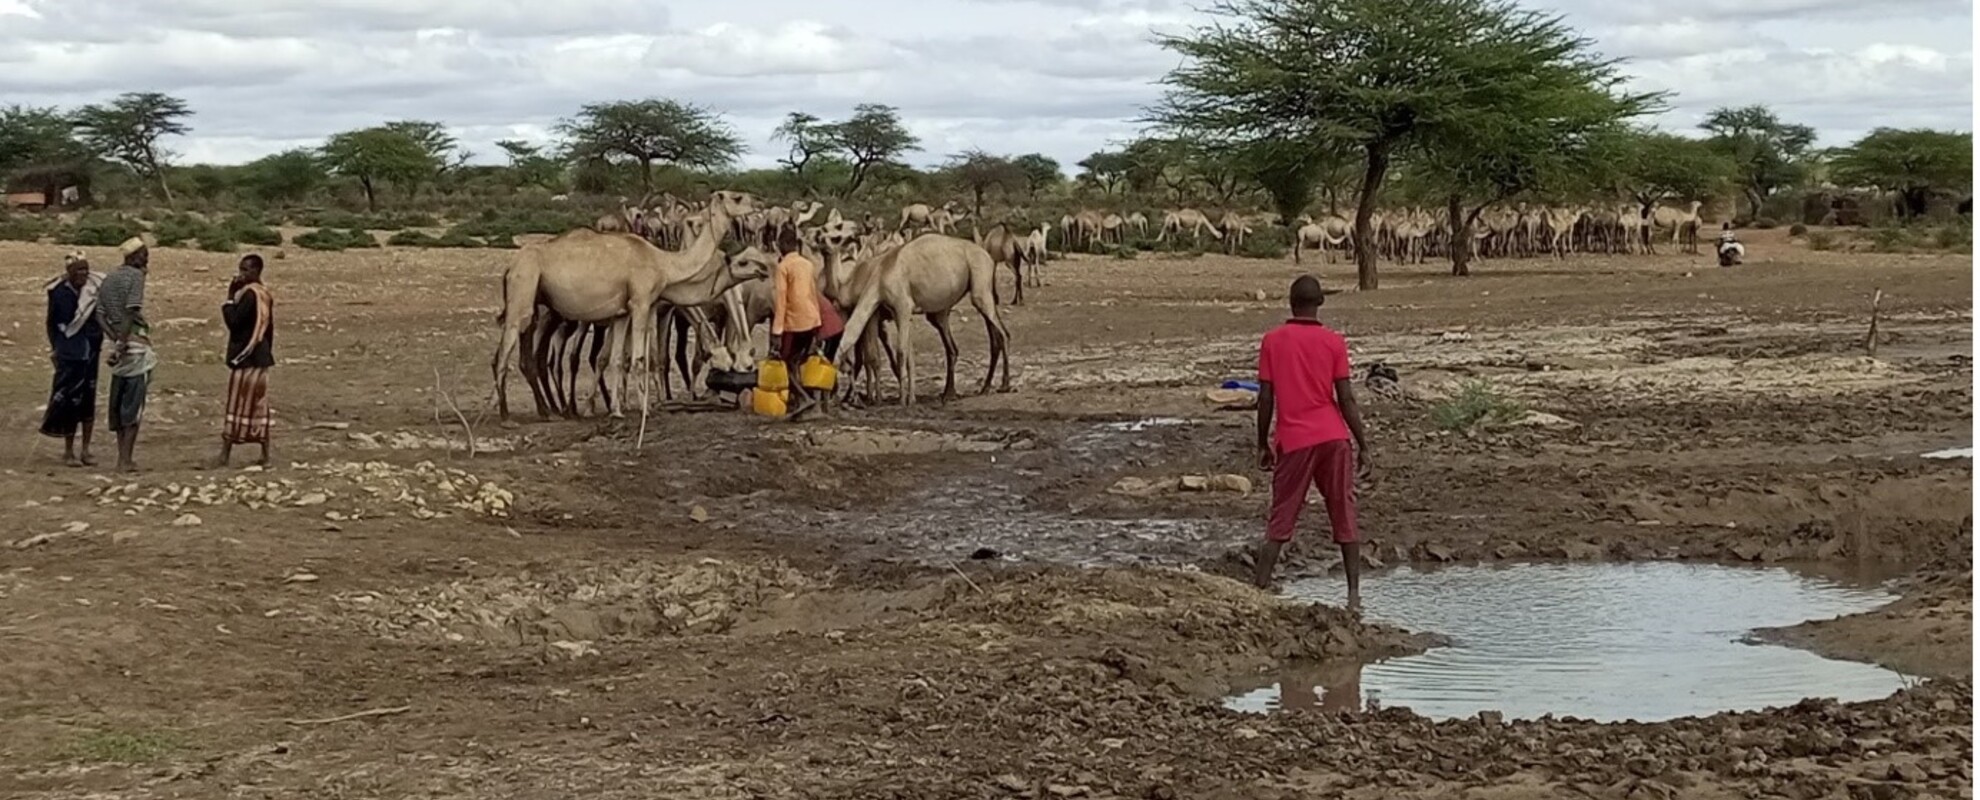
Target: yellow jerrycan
818	373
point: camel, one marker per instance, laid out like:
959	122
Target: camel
779	218
1330	232
1037	251
1114	226
1191	219
1007	247
1235	227
928	275
1560	229
1139	221
587	276
1086	228
921	216
1680	221
1066	231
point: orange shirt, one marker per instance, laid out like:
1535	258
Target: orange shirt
796	296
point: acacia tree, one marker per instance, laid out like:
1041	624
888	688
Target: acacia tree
1106	170
443	151
1770	154
128	129
873	136
978	171
1652	166
645	131
374	155
528	166
285	177
1363	76
1542	135
1912	163
809	137
1040	172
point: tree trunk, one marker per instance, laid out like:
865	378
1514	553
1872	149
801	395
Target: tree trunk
163	185
1364	237
1753	199
976	206
1460	236
646	174
370	195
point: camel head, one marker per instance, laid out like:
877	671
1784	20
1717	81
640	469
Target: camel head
750	264
734	204
834	217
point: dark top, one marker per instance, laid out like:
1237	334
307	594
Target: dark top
87	343
240	317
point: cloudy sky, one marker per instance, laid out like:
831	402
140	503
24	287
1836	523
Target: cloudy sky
1063	77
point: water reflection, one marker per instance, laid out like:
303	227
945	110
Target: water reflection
1603	641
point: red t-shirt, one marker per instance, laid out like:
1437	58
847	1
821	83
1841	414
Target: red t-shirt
829	323
1302	359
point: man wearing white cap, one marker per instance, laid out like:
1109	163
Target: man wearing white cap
120	302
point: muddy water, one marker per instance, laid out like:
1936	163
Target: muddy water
1647	641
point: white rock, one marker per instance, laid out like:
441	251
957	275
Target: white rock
313	499
186	521
77	526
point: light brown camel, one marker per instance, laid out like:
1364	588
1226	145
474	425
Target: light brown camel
1036	253
922	217
586	276
1086	228
1113	227
927	276
1235	228
1329	232
1007	247
1681	221
1187	219
1139	221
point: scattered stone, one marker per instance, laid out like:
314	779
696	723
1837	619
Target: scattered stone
329	426
1232	483
983	554
1194	483
1012	783
574	650
77	526
1439	552
186	521
1492	719
300	577
1540	419
1509	550
121	537
313	499
1747	551
1135	487
698	514
37	539
1259	295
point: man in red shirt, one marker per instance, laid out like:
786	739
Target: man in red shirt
1304	387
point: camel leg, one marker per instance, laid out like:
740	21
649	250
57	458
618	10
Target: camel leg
529	349
903	310
601	355
999	336
950	351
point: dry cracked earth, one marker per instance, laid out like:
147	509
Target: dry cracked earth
1009	596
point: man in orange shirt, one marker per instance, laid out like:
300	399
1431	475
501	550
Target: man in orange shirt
795	317
1307	415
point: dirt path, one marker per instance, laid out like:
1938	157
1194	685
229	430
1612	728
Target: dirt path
883	605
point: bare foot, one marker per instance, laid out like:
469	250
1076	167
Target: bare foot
87	459
128	466
1354	605
69	459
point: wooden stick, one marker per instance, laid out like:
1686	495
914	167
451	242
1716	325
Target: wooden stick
1876	305
965	577
449	397
369	712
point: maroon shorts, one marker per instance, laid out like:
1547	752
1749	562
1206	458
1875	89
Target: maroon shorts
1329	467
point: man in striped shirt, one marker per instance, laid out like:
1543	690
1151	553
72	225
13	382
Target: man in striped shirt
120	302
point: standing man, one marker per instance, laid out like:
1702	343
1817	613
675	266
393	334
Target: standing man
794	318
120	306
250	316
75	340
1306	414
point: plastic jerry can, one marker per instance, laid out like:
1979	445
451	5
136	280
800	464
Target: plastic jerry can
773	376
818	373
770	404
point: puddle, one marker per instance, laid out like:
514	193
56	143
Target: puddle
1140	425
1608	642
1951	453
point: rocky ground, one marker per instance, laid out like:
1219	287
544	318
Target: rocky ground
887	604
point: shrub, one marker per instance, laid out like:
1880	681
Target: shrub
217	240
334	239
328	219
1889	239
100	230
1766	223
1476	402
174	230
23	228
1953	237
1797	229
251	230
1273	243
411	239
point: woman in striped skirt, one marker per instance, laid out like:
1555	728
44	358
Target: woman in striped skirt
250	315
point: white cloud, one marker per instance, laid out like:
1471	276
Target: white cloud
1064	77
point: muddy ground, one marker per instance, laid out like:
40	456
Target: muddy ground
888	604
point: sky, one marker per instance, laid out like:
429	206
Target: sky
1061	77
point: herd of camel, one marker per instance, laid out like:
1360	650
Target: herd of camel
654	279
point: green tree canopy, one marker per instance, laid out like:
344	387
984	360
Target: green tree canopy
528	166
1770	154
872	137
1651	166
808	138
378	155
285	177
1913	163
1365	76
1041	172
645	131
1105	170
39	149
128	129
976	172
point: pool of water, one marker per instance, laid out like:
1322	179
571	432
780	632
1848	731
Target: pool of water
1647	641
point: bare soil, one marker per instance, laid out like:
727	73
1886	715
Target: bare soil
891	604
